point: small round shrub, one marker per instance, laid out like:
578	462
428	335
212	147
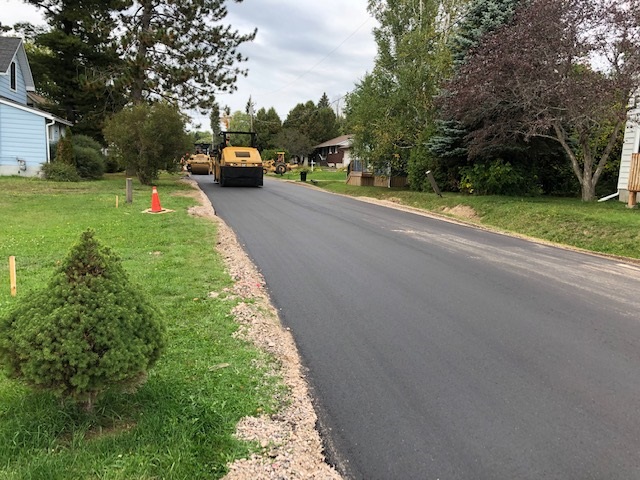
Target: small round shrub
60	172
89	162
88	332
87	141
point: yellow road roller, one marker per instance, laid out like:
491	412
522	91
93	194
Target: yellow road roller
237	165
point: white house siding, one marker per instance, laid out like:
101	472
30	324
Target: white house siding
631	145
346	160
22	138
20	94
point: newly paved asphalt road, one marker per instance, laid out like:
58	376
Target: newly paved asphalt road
438	351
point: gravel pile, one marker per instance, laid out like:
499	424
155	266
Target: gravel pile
291	445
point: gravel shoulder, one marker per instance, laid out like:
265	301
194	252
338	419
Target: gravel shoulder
291	445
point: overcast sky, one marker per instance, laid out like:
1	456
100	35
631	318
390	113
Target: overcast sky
303	49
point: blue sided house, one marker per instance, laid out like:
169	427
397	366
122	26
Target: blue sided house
27	134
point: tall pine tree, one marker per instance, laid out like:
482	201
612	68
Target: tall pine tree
180	51
76	63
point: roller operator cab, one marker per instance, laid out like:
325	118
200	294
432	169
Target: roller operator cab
237	165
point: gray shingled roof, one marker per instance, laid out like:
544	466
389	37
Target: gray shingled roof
342	141
8	48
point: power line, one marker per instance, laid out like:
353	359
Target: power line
323	58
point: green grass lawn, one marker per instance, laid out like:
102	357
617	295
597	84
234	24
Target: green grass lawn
180	423
610	227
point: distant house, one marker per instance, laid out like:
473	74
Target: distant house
335	152
27	134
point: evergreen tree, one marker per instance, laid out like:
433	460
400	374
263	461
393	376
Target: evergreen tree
448	144
480	18
267	125
64	149
214	118
324	101
89	331
180	51
75	61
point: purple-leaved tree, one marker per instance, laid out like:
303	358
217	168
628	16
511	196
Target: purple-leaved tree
563	69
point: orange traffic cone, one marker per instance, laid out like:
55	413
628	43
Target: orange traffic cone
155	201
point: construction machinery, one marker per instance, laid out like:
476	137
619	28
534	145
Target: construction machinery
200	162
279	166
237	165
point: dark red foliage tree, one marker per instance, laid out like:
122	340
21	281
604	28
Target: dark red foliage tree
563	69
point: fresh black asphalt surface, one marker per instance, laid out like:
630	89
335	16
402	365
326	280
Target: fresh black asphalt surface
439	351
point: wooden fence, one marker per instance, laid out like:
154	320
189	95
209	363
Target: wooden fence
365	179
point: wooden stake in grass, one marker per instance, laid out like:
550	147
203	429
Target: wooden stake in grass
116	201
12	275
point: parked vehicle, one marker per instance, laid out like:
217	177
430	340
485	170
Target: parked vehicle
279	166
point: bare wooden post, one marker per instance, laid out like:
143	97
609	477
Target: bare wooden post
634	180
129	190
434	185
12	275
117	200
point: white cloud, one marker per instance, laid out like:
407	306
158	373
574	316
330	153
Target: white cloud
303	49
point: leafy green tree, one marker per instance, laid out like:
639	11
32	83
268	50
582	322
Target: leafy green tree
88	332
392	109
148	138
294	142
240	122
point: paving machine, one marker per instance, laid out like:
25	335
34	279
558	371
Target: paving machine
237	165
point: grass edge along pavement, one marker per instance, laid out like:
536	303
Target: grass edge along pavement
607	228
181	423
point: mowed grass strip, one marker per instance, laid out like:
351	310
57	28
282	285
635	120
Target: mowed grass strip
180	423
609	227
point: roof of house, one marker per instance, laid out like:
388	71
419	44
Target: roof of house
12	48
342	141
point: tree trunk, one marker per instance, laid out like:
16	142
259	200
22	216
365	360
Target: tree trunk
140	69
588	188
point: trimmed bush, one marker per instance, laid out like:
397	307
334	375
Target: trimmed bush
87	142
88	332
89	162
60	172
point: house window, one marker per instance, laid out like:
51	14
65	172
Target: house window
14	83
